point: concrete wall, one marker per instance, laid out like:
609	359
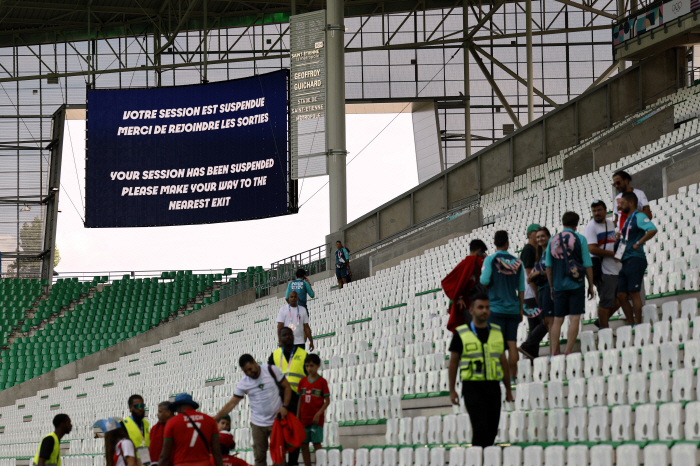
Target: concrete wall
512	155
622	143
681	173
125	348
664	178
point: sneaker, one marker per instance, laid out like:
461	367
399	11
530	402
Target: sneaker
525	353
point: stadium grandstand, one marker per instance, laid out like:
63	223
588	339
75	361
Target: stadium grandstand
627	395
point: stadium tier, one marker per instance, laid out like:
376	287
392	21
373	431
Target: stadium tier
629	397
79	318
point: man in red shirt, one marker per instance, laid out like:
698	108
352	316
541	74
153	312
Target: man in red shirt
191	438
157	431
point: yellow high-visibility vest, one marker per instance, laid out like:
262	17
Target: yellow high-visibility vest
293	371
55	458
135	433
481	362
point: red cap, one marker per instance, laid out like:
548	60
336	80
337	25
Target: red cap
226	439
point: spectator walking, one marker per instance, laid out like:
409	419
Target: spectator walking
294	316
636	231
119	449
158	430
460	281
302	287
600	234
137	428
227	446
191	437
504	276
568	265
342	264
477	351
538	278
314	398
621	182
263	385
537	329
49	452
290	359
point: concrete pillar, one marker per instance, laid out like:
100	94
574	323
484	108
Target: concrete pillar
621	13
204	42
530	77
294	7
335	114
467	103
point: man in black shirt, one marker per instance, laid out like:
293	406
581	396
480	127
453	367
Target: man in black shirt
531	347
49	452
480	370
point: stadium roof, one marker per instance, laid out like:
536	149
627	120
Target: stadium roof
38	22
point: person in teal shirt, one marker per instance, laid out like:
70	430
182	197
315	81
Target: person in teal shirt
636	231
564	251
303	288
504	275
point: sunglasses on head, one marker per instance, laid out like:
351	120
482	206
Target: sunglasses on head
139	405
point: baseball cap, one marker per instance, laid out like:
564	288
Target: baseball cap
107	425
226	439
532	227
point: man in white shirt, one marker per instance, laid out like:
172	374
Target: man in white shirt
600	234
621	181
264	398
294	316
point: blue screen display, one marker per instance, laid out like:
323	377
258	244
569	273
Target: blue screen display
206	153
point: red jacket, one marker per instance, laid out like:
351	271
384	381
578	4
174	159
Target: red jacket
287	434
458	283
156	441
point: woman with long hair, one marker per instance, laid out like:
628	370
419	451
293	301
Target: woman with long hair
538	276
119	450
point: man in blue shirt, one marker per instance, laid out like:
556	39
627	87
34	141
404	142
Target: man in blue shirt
342	264
566	259
636	231
303	288
504	275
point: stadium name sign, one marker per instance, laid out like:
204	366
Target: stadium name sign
307	106
192	154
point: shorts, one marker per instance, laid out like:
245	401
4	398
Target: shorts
508	323
569	302
314	434
545	302
632	275
341	272
607	291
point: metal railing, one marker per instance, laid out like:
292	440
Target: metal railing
134	274
469	201
279	273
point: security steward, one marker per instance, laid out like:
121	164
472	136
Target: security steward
137	428
290	359
477	350
49	452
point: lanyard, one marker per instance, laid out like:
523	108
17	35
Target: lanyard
629	225
474	328
289	307
137	425
289	362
